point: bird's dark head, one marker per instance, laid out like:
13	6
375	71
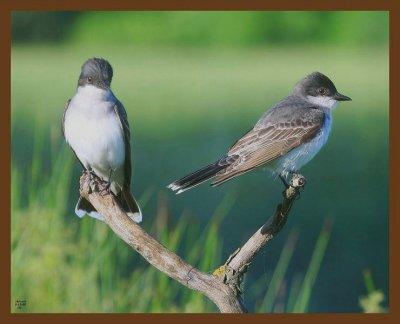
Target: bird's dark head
319	89
97	72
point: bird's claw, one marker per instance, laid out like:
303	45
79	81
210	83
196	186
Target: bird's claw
97	185
91	174
106	188
298	181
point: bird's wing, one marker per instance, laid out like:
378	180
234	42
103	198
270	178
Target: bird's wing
273	136
123	118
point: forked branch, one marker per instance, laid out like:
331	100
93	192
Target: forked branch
222	287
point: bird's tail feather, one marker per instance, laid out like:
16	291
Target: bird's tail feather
195	178
84	207
126	200
130	205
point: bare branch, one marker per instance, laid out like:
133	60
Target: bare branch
237	264
225	294
154	252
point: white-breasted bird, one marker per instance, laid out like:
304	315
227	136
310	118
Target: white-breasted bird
284	139
95	126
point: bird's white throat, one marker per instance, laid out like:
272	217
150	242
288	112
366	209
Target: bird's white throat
92	93
93	102
323	101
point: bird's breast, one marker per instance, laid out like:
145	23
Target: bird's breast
94	132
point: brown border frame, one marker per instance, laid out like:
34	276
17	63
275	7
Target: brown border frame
6	6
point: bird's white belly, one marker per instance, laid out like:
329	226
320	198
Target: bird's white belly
96	139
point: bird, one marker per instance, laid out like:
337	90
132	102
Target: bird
95	126
285	138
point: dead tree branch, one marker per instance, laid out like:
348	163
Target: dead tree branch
225	293
237	264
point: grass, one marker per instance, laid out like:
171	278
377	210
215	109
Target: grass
185	106
62	264
188	84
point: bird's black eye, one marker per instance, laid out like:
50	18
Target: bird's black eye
89	79
323	91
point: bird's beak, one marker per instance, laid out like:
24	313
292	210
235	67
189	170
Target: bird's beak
340	97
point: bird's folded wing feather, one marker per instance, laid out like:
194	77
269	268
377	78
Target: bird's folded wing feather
123	118
272	138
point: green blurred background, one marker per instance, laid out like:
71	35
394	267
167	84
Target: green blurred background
192	83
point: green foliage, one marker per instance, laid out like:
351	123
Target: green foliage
41	27
63	264
279	274
215	28
303	299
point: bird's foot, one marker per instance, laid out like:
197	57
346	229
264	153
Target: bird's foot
97	184
106	184
94	183
297	183
105	188
298	180
92	177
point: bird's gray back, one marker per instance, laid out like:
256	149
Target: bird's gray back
292	108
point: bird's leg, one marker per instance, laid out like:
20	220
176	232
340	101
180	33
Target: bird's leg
89	172
285	183
297	181
93	184
109	178
281	176
107	188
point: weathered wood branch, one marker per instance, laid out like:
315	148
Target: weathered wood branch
237	264
223	293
